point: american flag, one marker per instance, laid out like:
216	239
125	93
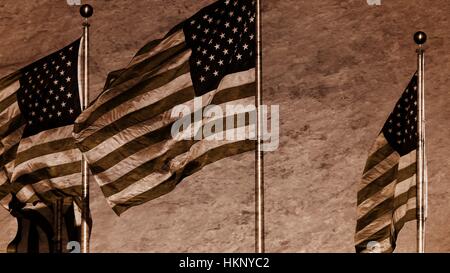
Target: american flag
38	106
126	133
387	192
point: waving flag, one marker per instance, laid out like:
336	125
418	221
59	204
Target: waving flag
38	106
387	192
126	133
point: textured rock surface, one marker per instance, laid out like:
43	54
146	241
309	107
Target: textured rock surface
335	67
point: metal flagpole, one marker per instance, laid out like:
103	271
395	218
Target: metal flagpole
420	38
86	11
259	166
57	223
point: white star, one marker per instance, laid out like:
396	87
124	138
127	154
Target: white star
199	63
206	30
245	46
63	58
62	73
216	73
63	104
227	24
69	63
235	30
252	36
230	41
59	113
194	37
202	79
222	36
225	51
57	67
239	19
252	19
210	20
221	62
55	82
68	79
61	88
239	56
69	95
211	57
207	68
204	52
44	110
217	46
70	110
57	98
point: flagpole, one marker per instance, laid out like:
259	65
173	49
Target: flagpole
420	39
57	222
259	162
86	11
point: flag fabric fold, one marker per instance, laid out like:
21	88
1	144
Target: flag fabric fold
387	191
126	133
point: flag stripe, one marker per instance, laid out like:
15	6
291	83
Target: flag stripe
379	156
377	184
373	227
379	170
9	155
157	46
408	216
49	173
7	103
159	107
9	85
380	235
140	88
53	159
192	167
140	142
177	163
406	173
136	117
147	168
384	207
376	199
150	65
50	147
143	170
404	197
13	124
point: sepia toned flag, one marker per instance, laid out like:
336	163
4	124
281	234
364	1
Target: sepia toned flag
387	191
38	106
126	135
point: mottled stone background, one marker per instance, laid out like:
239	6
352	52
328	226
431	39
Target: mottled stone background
335	67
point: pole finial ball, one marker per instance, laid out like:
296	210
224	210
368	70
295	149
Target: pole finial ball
86	10
420	37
